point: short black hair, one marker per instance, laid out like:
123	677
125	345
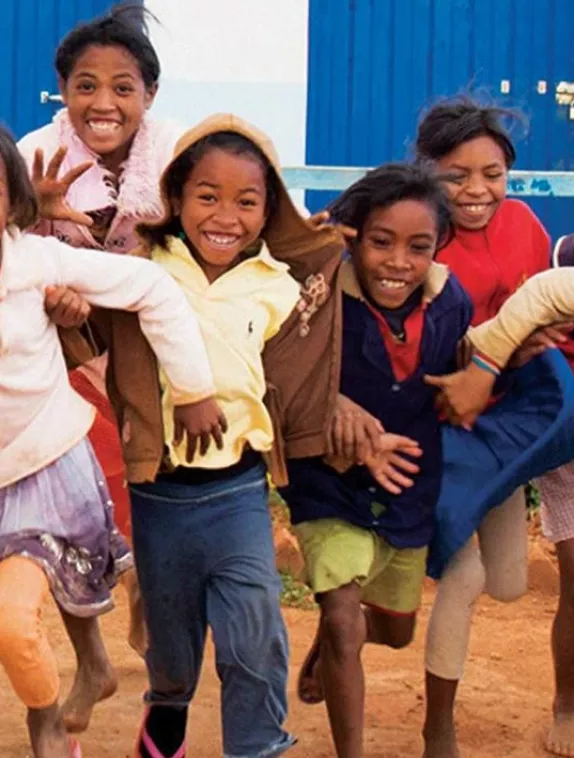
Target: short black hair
23	210
124	26
454	121
179	171
389	184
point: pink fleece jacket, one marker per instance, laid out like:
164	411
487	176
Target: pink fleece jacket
137	198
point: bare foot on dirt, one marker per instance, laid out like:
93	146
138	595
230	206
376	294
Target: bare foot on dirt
442	745
90	687
560	738
137	636
309	684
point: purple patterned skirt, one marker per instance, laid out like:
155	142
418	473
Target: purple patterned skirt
62	518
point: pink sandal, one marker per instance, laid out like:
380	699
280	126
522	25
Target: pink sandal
145	740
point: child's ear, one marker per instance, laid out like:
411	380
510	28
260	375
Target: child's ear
176	206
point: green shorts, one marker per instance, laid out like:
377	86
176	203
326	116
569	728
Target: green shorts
337	553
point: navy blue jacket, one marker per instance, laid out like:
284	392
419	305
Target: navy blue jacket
317	491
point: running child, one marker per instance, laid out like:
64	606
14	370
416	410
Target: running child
56	518
96	171
234	242
365	549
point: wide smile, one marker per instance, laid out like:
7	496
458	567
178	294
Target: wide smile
392	284
475	209
103	128
221	241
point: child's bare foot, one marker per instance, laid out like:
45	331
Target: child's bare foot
48	734
441	744
309	685
91	685
560	737
137	637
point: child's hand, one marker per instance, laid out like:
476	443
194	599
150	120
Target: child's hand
323	219
464	395
353	433
66	308
539	341
51	191
389	467
200	421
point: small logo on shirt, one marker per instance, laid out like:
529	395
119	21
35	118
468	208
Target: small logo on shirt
250	328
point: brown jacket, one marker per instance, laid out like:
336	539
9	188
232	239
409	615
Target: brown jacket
302	362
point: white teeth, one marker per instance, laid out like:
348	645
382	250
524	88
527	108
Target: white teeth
477	208
222	240
393	284
104	127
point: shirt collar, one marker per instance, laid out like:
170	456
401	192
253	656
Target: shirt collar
177	247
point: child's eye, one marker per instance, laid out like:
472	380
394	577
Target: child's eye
494	176
247	203
124	89
207	197
86	87
456	178
380	242
421	249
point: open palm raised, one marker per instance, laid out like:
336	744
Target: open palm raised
51	190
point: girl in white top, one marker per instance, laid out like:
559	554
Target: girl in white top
56	525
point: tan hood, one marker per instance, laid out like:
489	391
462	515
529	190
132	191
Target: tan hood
288	234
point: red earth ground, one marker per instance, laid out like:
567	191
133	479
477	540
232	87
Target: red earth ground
504	707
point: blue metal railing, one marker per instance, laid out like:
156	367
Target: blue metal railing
520	183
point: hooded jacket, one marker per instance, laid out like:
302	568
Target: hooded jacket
302	362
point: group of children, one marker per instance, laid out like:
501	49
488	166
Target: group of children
236	338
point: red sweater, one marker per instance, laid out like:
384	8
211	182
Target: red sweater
492	263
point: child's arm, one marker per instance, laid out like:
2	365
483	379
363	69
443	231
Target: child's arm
124	282
545	299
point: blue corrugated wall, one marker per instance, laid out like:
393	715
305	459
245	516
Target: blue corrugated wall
30	31
374	64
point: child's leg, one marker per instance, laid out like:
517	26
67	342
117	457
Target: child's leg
244	613
501	567
26	654
341	554
169	542
95	678
448	635
557	513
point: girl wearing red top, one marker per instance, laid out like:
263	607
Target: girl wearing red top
498	244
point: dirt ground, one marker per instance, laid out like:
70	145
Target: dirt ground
504	705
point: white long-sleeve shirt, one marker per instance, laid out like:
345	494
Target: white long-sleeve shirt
41	416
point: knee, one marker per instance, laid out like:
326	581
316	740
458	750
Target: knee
19	631
464	581
508	585
343	630
400	632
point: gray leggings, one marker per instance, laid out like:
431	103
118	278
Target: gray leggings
497	564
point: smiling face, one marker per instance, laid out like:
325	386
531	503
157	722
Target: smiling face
395	251
478	184
223	208
107	99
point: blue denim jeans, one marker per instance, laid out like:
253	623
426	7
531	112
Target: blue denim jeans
205	557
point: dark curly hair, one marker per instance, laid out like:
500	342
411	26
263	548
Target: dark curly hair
179	171
389	184
452	122
123	26
23	208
